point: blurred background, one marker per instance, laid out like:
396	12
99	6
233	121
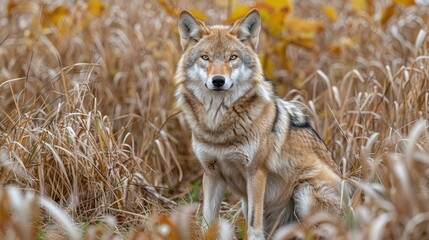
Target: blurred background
88	118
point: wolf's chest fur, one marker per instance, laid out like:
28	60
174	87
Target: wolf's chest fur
215	109
214	120
226	138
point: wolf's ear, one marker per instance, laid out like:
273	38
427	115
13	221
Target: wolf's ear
248	28
191	29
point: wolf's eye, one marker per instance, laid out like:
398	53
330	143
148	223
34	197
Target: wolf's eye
233	57
205	57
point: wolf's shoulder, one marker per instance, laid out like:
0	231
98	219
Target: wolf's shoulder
295	112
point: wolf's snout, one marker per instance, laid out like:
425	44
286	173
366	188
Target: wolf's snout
218	81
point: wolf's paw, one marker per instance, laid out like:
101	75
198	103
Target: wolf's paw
255	234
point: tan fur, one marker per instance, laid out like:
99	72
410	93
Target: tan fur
247	139
219	69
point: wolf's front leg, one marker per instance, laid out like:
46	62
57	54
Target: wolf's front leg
256	192
244	207
213	189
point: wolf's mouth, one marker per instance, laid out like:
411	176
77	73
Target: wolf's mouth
219	89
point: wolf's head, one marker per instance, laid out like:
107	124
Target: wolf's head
219	59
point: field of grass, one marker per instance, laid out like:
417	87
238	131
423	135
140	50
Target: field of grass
92	145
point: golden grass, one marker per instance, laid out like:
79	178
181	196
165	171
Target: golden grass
90	138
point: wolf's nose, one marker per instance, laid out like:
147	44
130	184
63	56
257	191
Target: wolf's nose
218	81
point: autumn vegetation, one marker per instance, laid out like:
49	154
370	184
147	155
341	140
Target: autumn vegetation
92	145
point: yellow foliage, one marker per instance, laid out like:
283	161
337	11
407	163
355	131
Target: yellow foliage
59	16
168	6
227	3
359	5
172	9
284	5
237	13
405	3
367	7
198	14
342	44
363	6
304	40
65	20
387	13
280	51
330	12
95	7
271	11
301	31
267	64
275	21
298	25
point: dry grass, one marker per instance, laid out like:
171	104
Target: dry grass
91	140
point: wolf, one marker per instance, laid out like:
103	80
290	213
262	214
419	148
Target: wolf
246	138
